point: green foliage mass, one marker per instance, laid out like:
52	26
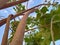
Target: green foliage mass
42	21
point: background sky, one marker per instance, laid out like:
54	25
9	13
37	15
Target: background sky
5	12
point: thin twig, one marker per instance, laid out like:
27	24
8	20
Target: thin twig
31	29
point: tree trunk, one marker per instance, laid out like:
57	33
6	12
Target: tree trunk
5	36
19	35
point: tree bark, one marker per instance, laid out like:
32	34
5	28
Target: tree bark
3	2
6	5
5	36
19	35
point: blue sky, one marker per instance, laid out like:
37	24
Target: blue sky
8	11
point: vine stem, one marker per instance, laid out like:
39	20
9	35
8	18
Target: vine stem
51	29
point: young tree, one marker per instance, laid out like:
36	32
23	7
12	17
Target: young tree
5	36
19	35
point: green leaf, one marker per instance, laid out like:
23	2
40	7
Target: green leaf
37	11
44	10
38	16
56	30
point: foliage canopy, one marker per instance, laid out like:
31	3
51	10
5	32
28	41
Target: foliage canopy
41	35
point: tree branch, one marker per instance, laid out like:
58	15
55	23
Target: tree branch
2	22
31	29
11	4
